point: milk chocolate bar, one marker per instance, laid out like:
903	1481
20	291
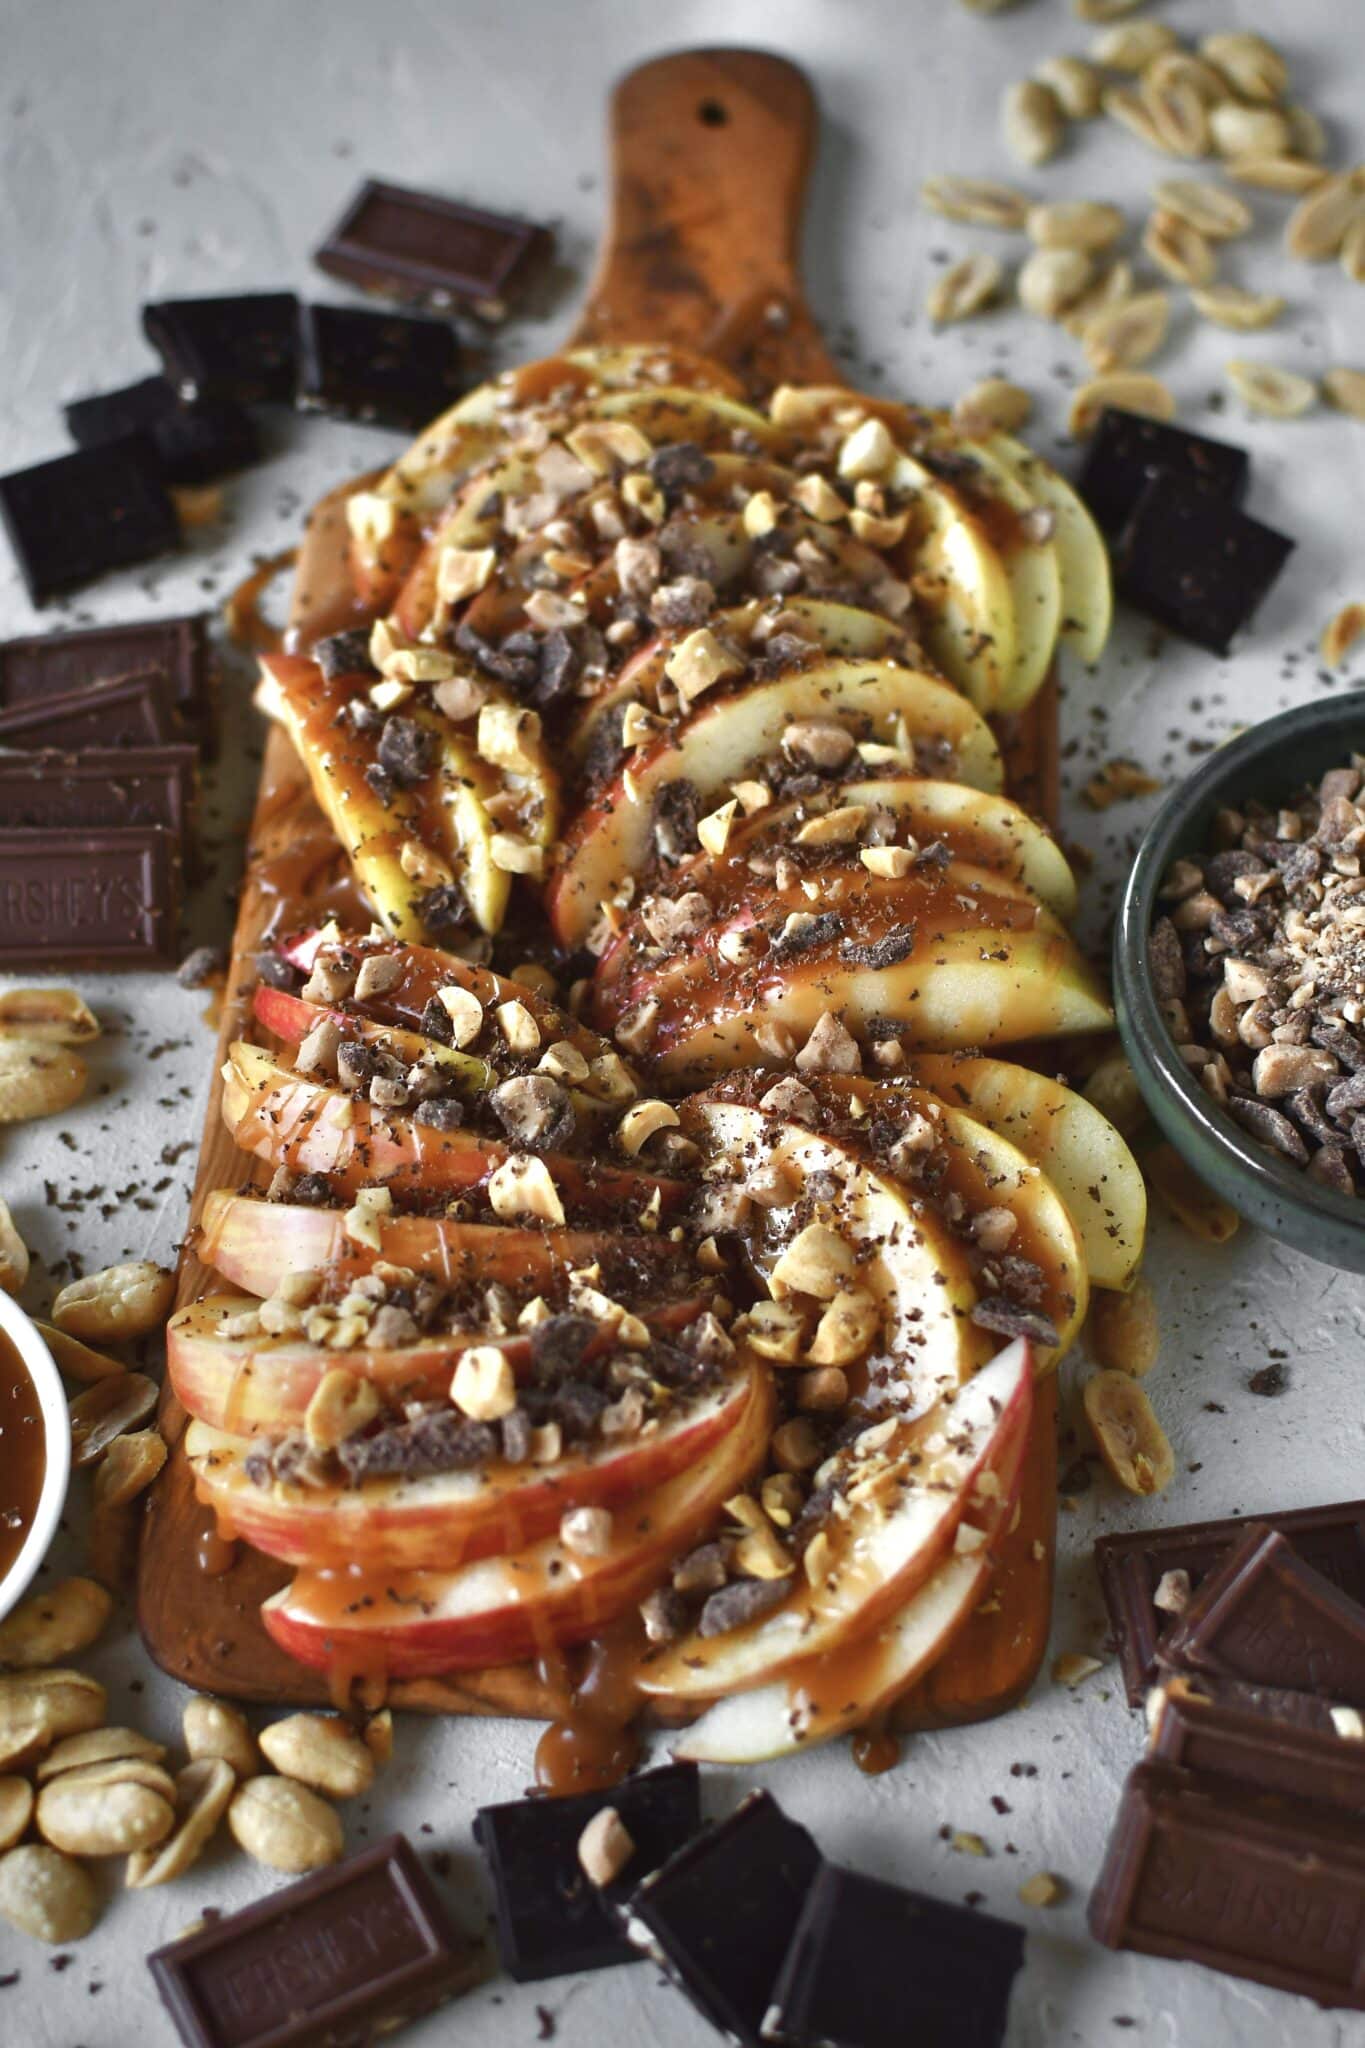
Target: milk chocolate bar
720	1914
874	1966
346	1956
129	711
81	515
1194	563
44	663
1267	1617
1205	1872
196	441
73	898
100	787
550	1918
241	347
1127	451
1331	1539
437	252
1211	1728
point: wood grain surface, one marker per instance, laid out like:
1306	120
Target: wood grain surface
710	153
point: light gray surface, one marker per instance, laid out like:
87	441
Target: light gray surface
149	148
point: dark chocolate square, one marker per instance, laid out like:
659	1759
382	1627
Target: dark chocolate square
196	440
244	347
720	1915
1194	563
81	515
127	711
411	245
1127	451
382	367
873	1966
550	1917
42	664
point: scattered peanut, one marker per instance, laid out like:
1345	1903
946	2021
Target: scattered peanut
1122	1331
204	1790
284	1825
99	1746
1340	634
108	1819
37	1078
46	1894
116	1303
13	1252
57	1622
129	1466
59	1015
38	1707
319	1750
16	1810
214	1729
1131	1440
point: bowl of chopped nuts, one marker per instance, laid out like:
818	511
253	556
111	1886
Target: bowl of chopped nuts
1239	975
35	1450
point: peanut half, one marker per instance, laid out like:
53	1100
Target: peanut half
116	1303
46	1894
57	1622
214	1729
282	1824
203	1789
37	1079
320	1750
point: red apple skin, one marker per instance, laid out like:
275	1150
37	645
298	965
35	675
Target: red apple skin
254	1244
254	1386
287	1119
510	1624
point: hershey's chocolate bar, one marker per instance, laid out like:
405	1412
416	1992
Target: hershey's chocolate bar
411	245
1331	1539
344	1957
100	787
1204	1872
1267	1617
49	662
71	898
130	711
1274	1742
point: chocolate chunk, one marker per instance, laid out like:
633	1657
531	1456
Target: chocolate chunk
1332	1167
406	750
871	1965
1267	1617
559	1346
559	667
1239	930
45	664
817	929
550	1918
384	368
411	245
893	946
1301	863
311	1191
1221	870
676	812
1008	1318
679	467
439	1442
1305	1105
1342	1044
196	441
444	907
1345	1098
1200	1871
1263	1737
103	898
1330	1539
739	1603
378	778
1269	1126
1166	962
1194	563
130	711
344	654
200	967
720	1914
442	1113
1126	452
243	347
101	787
348	1954
81	515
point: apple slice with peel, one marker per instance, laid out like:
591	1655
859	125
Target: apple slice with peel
727	735
1086	1159
306	1126
504	1609
246	1386
439	1520
255	1244
822	1697
1082	557
900	1504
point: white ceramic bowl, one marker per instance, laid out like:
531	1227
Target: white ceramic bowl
28	1341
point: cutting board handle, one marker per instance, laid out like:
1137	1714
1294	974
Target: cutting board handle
710	151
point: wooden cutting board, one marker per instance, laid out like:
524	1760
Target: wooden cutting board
710	153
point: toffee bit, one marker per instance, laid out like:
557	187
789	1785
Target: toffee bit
1117	782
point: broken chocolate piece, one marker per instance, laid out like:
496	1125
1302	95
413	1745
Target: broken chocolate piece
1267	1617
720	1914
1200	1871
196	441
1262	1737
81	515
130	711
411	245
344	654
1127	451
100	787
550	1918
43	663
381	367
874	1966
73	898
241	347
349	1954
1194	563
1131	1567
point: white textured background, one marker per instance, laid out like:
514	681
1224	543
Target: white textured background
150	147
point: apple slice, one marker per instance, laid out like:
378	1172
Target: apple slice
256	1244
1085	1158
971	625
445	1519
1082	557
307	1126
727	735
822	1697
247	1386
901	1506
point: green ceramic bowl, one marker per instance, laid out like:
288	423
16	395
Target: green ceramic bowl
1271	761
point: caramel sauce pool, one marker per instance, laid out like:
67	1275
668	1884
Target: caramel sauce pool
23	1457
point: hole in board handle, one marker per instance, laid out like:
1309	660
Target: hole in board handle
712	114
